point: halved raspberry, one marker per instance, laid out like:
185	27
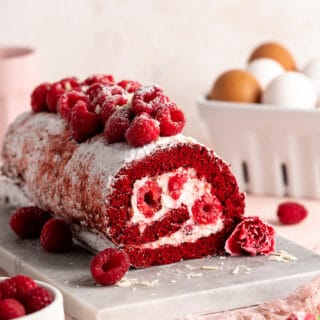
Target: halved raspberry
147	99
83	122
149	198
36	299
171	118
291	212
109	266
27	222
58	88
117	125
143	130
106	79
130	86
175	185
68	100
207	209
39	97
56	236
11	309
110	105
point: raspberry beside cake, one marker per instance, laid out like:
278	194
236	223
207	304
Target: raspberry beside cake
165	199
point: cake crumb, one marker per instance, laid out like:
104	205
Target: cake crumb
193	275
190	267
172	281
222	258
282	256
241	269
127	282
213	268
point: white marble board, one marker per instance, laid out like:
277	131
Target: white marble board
181	290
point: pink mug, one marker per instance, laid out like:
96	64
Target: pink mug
18	76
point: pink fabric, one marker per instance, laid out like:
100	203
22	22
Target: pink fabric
305	298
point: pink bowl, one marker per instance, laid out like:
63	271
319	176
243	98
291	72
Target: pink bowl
18	76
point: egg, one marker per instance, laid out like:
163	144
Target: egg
236	85
312	71
276	52
265	70
291	90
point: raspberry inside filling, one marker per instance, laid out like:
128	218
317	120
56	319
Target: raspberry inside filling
154	197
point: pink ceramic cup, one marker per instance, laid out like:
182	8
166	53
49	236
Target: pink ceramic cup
18	76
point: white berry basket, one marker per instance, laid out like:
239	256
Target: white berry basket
53	311
272	150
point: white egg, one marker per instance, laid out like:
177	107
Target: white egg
312	71
291	90
265	70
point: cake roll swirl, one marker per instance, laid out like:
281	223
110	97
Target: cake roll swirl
170	200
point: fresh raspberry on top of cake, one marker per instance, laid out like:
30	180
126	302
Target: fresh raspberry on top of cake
142	130
39	97
147	99
105	79
171	118
130	86
59	88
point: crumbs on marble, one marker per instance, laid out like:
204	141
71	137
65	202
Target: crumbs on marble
127	282
282	256
193	275
241	269
212	268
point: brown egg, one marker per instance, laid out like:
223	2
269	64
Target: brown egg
276	52
236	85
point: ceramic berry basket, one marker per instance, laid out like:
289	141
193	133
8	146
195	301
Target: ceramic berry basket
53	311
272	150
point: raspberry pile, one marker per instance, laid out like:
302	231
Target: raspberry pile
122	111
32	222
21	295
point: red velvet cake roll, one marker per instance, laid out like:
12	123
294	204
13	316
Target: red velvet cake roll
169	200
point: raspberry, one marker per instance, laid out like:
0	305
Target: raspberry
175	185
27	222
110	105
143	130
11	309
130	86
23	284
83	122
97	103
68	100
207	209
56	236
171	118
94	90
39	97
8	289
149	198
16	287
291	212
37	299
109	266
117	125
58	88
106	79
148	99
